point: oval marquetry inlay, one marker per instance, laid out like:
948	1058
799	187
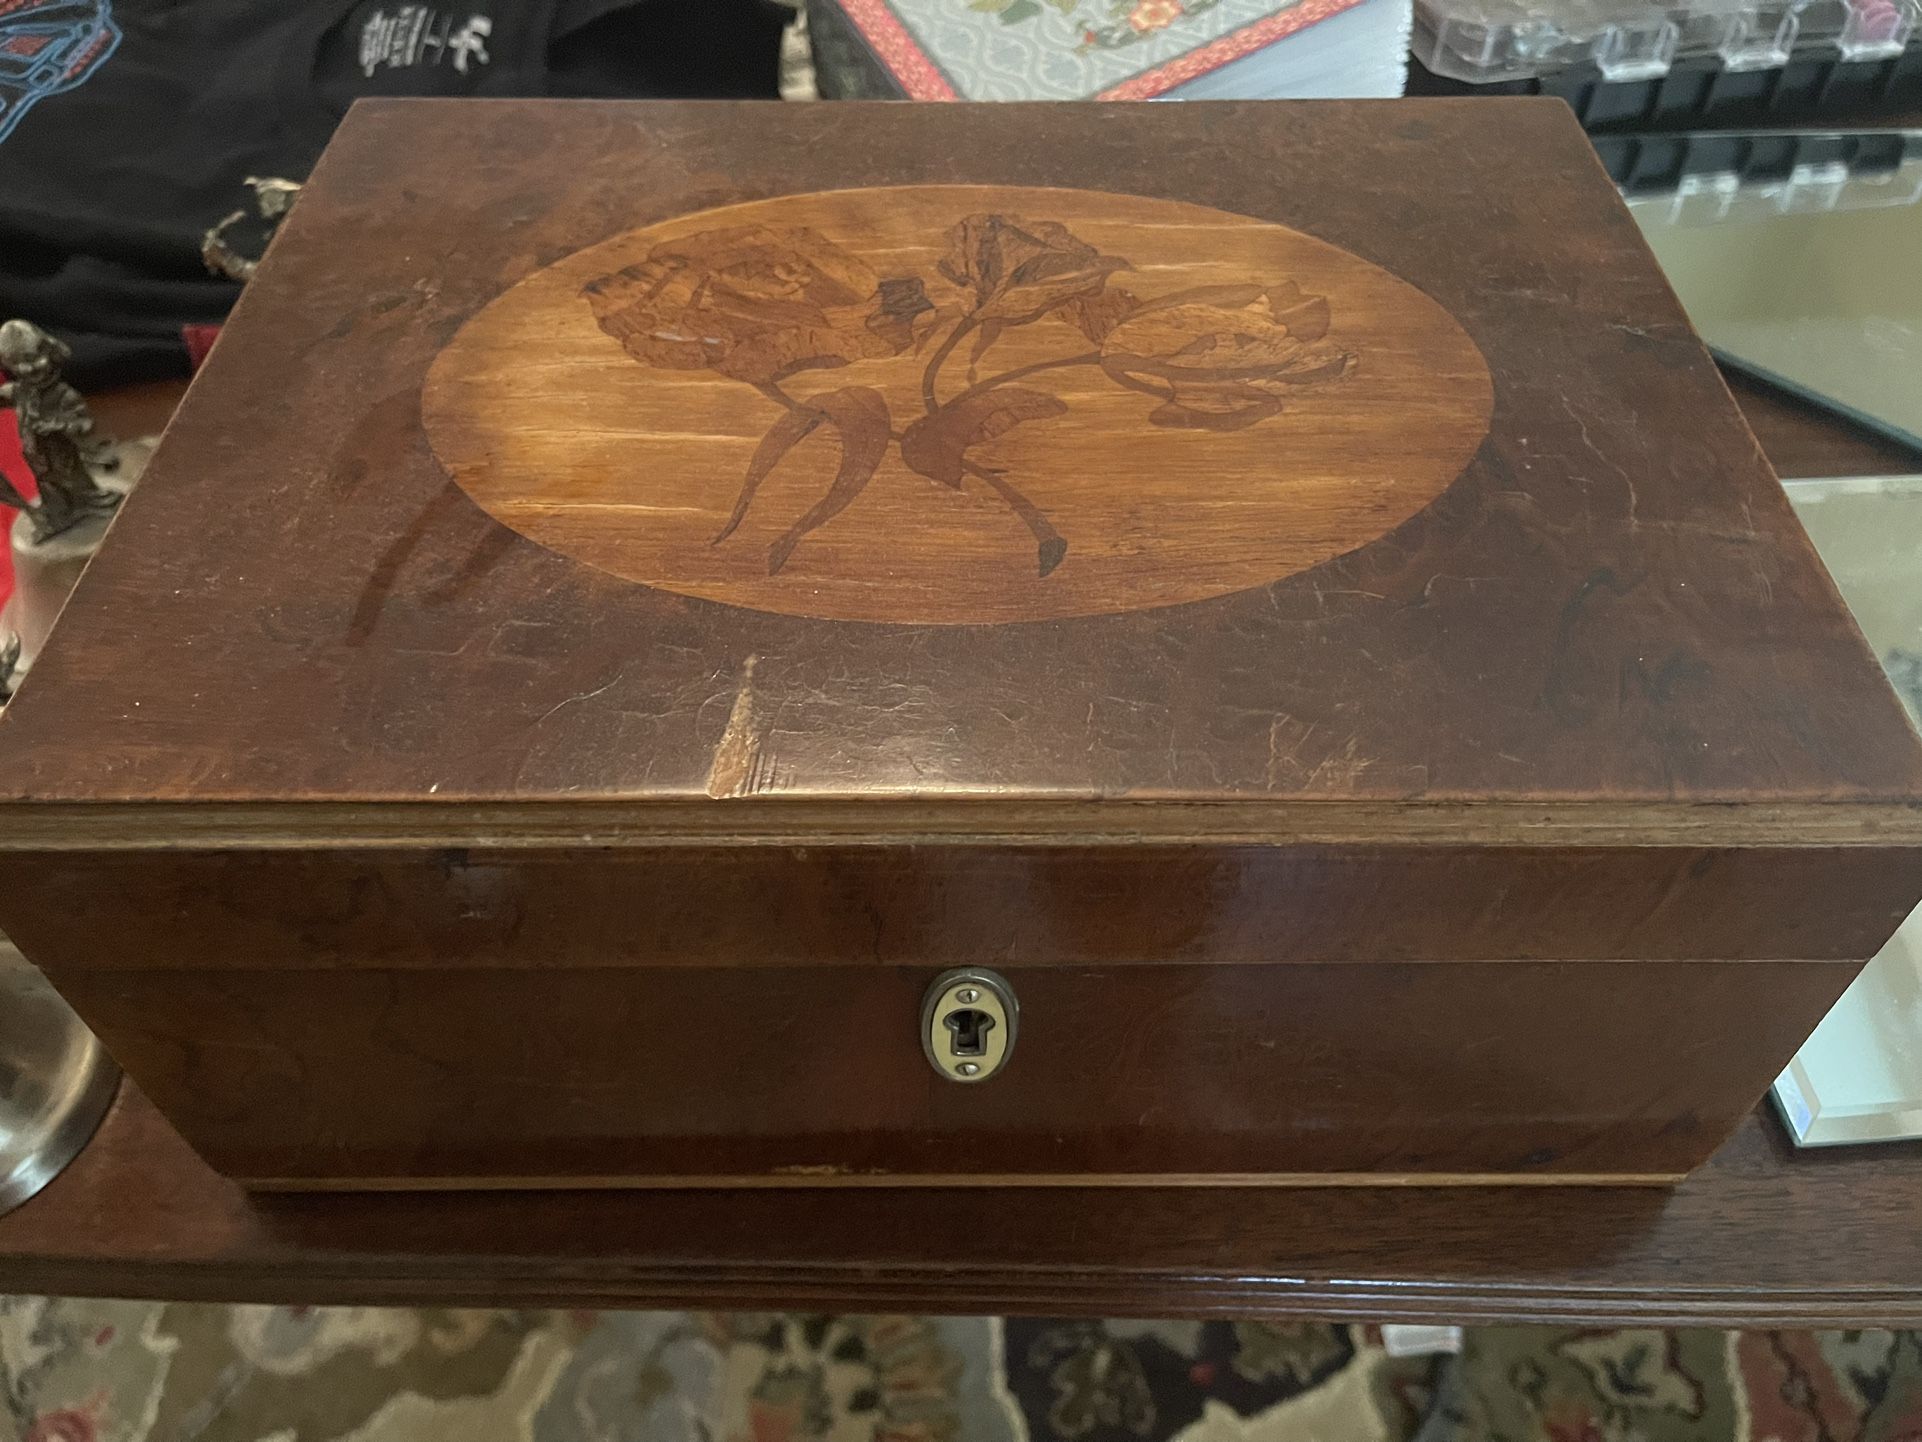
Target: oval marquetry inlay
957	404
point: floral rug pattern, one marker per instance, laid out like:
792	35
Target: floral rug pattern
93	1371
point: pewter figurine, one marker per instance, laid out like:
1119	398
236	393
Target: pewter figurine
62	447
273	198
9	662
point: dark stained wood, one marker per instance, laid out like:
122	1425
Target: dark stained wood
1612	604
1800	440
1761	1236
635	1015
942	906
1336	647
1571	1071
1758	1237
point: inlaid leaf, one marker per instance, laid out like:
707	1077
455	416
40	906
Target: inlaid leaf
859	416
783	436
1223	408
1095	315
1226	296
1306	316
987	335
900	308
936	446
1332	368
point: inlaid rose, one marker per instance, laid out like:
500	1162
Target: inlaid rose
755	304
1019	270
1224	357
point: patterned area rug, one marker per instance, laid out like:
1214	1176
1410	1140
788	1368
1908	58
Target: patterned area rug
85	1371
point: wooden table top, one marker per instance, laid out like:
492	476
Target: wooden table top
1761	1236
1758	1237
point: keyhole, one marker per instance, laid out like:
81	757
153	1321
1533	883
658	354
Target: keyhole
968	1031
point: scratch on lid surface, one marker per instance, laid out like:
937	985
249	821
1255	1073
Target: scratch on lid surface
738	768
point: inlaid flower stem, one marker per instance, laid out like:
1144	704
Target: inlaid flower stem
1092	357
1050	545
939	359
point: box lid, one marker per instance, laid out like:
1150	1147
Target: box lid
1325	472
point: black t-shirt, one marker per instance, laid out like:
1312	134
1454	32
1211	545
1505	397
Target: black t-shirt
128	127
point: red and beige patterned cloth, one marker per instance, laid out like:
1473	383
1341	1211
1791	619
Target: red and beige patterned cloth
86	1371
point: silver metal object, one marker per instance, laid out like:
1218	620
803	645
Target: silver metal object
968	1024
272	199
44	573
56	1081
63	448
82	474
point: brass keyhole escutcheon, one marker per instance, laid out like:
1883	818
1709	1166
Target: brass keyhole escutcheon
968	1024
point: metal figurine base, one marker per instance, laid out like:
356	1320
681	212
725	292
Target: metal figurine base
44	572
56	1081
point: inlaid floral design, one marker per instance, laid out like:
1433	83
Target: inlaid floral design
764	305
1223	357
1018	271
755	303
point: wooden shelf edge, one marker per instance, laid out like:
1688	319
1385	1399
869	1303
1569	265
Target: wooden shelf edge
138	1215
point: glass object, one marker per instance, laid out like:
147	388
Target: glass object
1859	1077
56	1081
1808	275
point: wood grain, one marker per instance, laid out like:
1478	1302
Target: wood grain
1117	905
1383	637
1610	607
740	1013
1179	404
1759	1237
372	1077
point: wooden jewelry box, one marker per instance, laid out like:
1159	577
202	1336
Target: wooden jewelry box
874	645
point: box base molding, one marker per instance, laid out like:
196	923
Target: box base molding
937	1181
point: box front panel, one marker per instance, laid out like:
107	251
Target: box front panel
949	905
1551	1071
